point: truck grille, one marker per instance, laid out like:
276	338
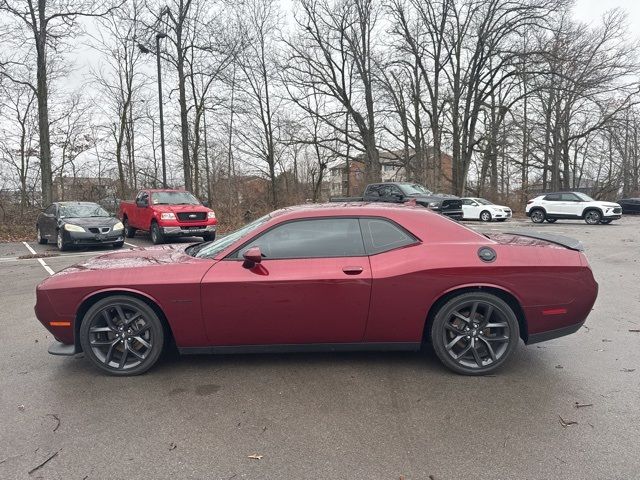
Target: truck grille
192	216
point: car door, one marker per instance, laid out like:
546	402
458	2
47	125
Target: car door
470	209
48	222
313	285
140	211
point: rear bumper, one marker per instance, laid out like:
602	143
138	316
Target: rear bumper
188	231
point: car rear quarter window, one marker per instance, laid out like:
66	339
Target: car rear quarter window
381	235
313	238
553	197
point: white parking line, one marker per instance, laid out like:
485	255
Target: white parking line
41	261
131	244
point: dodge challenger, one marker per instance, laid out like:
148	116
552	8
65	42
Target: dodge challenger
335	277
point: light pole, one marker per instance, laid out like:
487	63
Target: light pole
164	161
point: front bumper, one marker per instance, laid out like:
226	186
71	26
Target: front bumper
188	231
88	238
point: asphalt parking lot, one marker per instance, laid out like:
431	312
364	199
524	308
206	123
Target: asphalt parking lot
330	416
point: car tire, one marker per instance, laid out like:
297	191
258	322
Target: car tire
485	216
477	345
209	237
607	221
118	244
552	220
592	217
129	231
537	215
117	347
157	236
62	246
39	237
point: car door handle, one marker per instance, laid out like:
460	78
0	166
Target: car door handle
352	270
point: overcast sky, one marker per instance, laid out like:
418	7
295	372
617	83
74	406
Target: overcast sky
592	10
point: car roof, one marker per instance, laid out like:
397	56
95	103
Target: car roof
347	208
66	203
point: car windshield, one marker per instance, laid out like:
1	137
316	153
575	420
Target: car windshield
211	249
482	201
173	198
82	210
410	189
583	197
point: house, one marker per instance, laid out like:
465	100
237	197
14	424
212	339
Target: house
435	175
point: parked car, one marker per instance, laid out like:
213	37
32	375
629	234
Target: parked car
475	208
630	205
324	277
78	224
572	206
401	192
168	213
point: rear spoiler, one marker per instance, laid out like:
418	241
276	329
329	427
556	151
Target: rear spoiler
568	242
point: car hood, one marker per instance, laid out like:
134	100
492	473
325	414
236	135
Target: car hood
133	258
180	208
91	221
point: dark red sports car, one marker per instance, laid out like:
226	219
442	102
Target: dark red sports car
332	277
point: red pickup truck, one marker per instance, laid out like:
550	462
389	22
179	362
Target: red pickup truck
168	213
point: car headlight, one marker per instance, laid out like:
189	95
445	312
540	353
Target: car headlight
73	228
118	226
211	215
167	216
434	204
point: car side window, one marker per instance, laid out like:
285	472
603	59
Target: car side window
569	197
312	238
382	235
373	191
466	201
554	197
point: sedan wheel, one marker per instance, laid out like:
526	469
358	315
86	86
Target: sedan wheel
60	242
122	335
593	217
474	333
41	239
485	216
537	216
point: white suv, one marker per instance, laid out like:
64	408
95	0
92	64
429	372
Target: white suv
572	205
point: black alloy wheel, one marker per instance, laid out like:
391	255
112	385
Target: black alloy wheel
122	335
592	217
474	333
157	236
537	216
485	216
41	240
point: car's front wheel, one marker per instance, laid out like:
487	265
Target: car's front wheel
122	335
474	333
41	239
157	237
62	245
485	216
592	217
537	215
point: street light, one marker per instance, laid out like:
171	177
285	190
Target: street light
145	50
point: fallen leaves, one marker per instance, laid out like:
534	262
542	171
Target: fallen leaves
634	330
21	408
566	423
255	456
582	405
628	370
172	446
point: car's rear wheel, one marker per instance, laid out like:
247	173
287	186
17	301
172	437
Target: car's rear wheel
552	220
122	335
157	236
129	231
607	221
474	333
592	217
537	215
41	239
485	216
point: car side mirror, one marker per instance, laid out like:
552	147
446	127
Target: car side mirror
205	203
252	257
